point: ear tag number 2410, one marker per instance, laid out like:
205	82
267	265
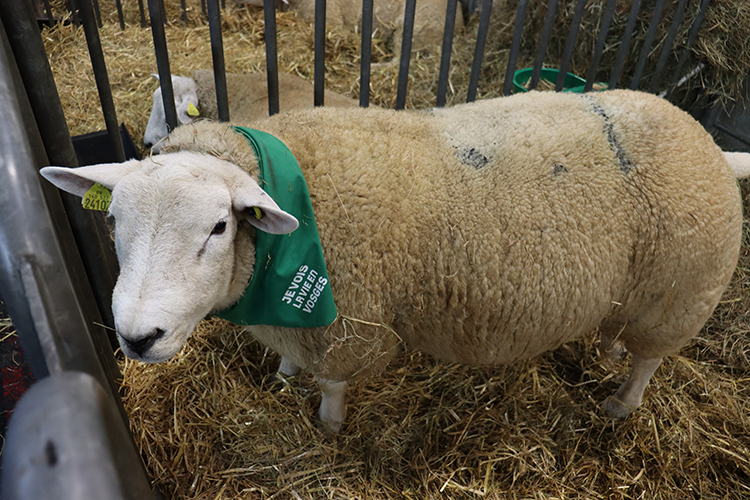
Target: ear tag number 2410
97	198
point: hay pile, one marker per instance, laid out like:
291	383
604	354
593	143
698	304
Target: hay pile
210	426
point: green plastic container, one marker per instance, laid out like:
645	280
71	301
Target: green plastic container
572	82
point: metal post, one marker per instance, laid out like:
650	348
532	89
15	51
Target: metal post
162	62
92	237
601	40
272	65
570	45
100	75
549	19
445	52
403	68
624	44
320	53
217	53
668	43
646	49
364	69
688	46
515	48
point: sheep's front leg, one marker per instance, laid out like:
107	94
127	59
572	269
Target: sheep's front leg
333	404
630	394
287	368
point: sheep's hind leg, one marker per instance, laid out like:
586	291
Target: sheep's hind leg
287	368
630	394
333	404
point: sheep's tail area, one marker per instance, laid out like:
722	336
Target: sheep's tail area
740	163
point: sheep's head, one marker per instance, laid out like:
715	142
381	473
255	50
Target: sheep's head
185	93
177	219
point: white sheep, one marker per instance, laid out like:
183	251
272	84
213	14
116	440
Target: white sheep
485	233
247	95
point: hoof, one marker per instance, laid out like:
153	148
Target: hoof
614	352
330	425
616	409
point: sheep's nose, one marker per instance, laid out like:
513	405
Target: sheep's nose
140	346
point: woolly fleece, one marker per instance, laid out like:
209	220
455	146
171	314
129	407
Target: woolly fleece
491	232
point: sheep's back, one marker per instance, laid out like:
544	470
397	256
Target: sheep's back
495	231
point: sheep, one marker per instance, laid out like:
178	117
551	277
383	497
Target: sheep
486	233
388	16
247	95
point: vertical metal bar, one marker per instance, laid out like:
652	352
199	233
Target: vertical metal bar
74	12
403	68
99	14
515	47
601	41
622	53
549	19
445	52
101	77
666	49
142	13
203	7
364	69
646	49
120	17
217	54
183	5
272	67
688	47
570	45
91	236
47	8
41	295
162	62
320	53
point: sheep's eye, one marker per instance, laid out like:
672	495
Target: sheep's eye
219	227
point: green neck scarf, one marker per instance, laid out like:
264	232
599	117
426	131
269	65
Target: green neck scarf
290	285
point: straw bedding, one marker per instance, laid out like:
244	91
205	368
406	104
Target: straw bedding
211	425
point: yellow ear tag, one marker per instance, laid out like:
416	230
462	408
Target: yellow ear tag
97	198
192	110
258	213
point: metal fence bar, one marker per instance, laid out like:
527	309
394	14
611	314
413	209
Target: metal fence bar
217	55
320	53
622	53
91	236
142	13
476	65
101	77
162	61
403	68
364	69
272	65
601	41
120	16
37	288
515	48
48	9
646	49
668	43
99	14
688	47
570	45
549	20
445	52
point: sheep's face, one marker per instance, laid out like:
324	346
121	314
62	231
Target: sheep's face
176	219
185	93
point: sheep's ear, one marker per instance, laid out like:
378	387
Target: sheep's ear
260	210
183	112
79	180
